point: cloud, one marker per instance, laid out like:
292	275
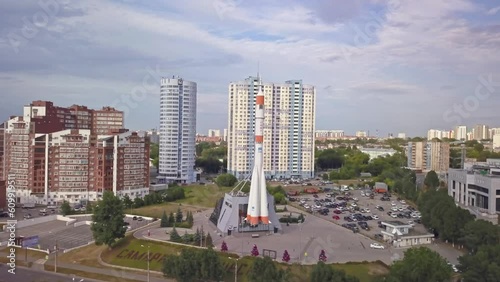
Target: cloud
361	55
493	11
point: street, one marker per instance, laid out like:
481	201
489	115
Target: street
30	275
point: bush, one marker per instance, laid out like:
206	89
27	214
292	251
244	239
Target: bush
289	220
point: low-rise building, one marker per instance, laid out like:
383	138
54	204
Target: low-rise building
477	188
378	152
401	235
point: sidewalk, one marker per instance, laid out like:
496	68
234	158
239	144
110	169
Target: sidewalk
110	272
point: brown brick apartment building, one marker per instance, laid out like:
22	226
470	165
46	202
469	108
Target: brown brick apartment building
73	154
48	118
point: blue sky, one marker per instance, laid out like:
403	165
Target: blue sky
391	65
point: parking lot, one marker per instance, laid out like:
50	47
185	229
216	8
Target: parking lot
356	210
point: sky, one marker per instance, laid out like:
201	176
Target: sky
387	65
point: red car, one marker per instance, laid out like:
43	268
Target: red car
336	217
337	211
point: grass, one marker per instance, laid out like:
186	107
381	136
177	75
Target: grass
366	272
88	274
156	211
130	244
86	256
21	254
203	195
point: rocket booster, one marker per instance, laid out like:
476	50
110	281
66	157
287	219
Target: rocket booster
258	208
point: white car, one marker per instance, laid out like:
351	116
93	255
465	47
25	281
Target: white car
355	199
376	246
393	203
402	202
394	209
367	210
317	206
306	206
375	216
394	215
354	205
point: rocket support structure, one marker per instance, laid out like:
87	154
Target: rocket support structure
258	206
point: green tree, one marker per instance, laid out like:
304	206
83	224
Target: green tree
419	265
174	235
183	268
226	180
482	266
210	266
127	202
264	269
432	180
138	202
179	216
208	241
477	233
164	219
325	273
66	208
189	218
108	220
171	219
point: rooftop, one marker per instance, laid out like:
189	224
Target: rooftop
396	223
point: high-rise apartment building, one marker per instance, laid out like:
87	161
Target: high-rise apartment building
481	132
214	133
289	126
402	135
225	135
428	156
74	165
47	118
460	133
361	134
493	132
440	134
177	130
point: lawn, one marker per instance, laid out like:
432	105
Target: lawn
203	195
89	275
132	247
86	256
157	210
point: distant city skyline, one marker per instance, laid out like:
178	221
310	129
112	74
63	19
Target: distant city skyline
386	65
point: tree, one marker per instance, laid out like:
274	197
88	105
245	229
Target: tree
174	236
164	219
420	264
226	180
264	269
108	220
255	251
323	272
171	219
194	265
223	247
178	216
484	265
197	237
186	238
127	202
138	202
477	233
66	208
432	180
189	218
208	241
322	256
286	256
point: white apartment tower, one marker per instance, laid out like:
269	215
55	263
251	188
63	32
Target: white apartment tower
289	126
177	130
461	133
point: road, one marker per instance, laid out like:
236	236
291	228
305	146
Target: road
31	275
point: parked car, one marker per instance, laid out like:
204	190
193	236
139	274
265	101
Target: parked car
376	246
336	217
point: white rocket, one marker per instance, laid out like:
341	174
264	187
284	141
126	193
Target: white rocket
258	207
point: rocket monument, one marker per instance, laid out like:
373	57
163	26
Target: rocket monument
258	206
253	211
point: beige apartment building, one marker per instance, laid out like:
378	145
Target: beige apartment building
427	156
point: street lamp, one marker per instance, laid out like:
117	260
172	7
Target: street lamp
148	260
300	241
235	268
